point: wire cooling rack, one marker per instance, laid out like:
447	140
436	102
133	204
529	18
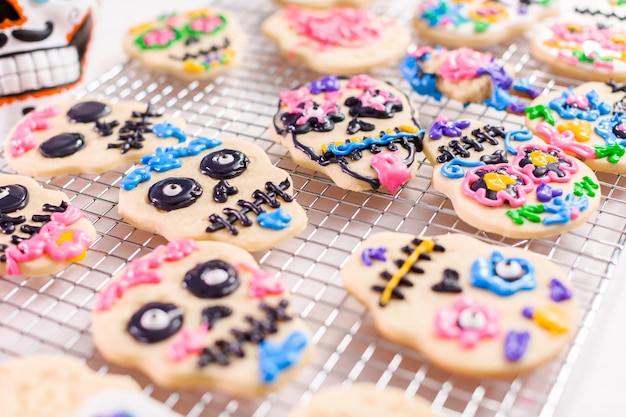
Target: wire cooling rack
53	314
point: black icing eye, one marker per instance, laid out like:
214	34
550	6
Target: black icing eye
13	198
87	112
155	322
509	270
470	319
213	279
62	145
224	164
174	193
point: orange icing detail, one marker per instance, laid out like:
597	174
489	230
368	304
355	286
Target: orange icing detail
408	128
6	23
618	38
498	182
574	27
489	12
552	318
541	159
580	129
77	26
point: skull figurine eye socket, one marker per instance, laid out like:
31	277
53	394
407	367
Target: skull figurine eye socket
13	197
174	193
212	279
155	322
224	164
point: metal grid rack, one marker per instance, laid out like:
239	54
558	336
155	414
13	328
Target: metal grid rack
53	314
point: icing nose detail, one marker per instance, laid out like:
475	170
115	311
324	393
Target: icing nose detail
10	15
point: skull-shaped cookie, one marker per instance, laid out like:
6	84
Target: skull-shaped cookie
199	44
469	307
201	314
508	181
88	136
40	233
587	121
42	46
225	190
360	131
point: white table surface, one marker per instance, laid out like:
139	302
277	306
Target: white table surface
597	381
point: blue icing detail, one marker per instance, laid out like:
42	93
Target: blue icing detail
501	100
444	11
596	108
276	220
564	209
520	135
503	276
454	167
168	130
523	85
605	126
347	148
165	159
274	357
425	84
324	84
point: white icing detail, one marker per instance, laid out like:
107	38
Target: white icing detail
378	100
226	159
509	270
109	401
172	190
470	319
315	112
214	276
4	192
155	319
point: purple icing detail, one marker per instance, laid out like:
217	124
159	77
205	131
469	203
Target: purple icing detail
523	85
451	129
117	414
558	291
517	107
528	312
546	193
325	84
369	254
515	345
497	73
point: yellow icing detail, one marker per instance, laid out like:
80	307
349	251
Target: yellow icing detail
498	182
495	12
618	38
423	247
228	55
552	318
541	159
191	65
408	128
199	13
574	27
580	129
68	236
141	28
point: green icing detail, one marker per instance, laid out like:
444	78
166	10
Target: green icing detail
586	186
540	110
480	26
528	212
139	39
613	152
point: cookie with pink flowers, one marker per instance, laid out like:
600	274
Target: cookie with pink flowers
578	47
201	314
359	131
42	232
340	41
508	181
470	307
324	4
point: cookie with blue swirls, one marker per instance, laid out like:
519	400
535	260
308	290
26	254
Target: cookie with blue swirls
470	307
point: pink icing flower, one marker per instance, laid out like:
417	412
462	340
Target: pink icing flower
23	139
314	111
468	321
580	101
293	98
495	185
377	100
206	24
463	63
188	342
361	81
159	37
545	163
391	170
565	140
263	283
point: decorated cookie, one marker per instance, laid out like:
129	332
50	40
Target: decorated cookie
509	181
363	400
465	75
225	190
478	23
158	315
587	121
40	232
323	4
119	403
359	131
469	307
88	136
608	8
337	41
577	47
48	385
195	45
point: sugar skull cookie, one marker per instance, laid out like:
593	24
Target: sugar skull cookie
201	314
466	75
119	403
509	181
360	131
339	41
47	385
469	307
195	45
363	399
225	190
40	232
88	136
587	121
580	48
478	23
323	4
